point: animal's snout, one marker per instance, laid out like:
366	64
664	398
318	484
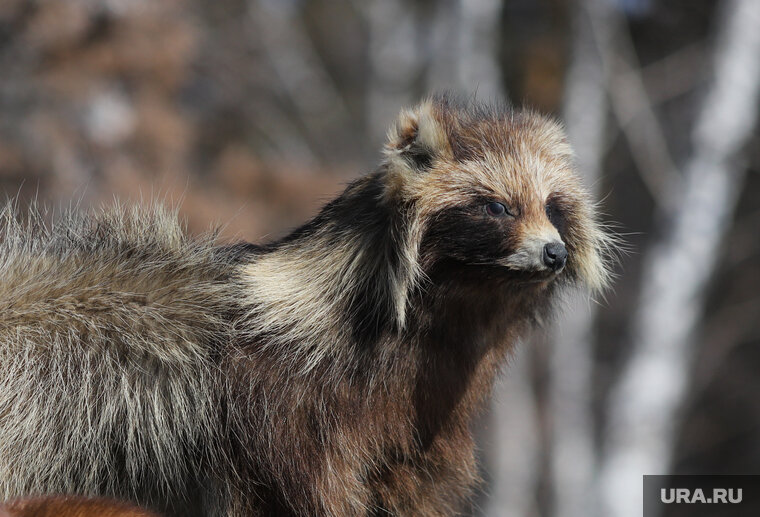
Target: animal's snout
555	255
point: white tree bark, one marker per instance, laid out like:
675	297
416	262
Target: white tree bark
643	410
512	458
573	455
464	48
396	61
478	67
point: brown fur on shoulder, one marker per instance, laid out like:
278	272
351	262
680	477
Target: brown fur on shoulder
59	506
334	372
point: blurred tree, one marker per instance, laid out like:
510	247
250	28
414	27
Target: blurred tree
647	401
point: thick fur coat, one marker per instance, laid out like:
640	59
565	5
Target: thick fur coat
334	372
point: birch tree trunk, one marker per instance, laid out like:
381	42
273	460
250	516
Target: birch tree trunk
643	410
463	43
573	456
478	69
512	458
396	61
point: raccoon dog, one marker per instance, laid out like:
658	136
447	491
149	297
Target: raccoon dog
334	372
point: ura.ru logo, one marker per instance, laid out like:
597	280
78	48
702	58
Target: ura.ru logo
685	495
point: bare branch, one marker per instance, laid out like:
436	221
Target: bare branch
632	106
675	74
298	68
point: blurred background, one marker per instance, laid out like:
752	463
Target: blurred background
252	113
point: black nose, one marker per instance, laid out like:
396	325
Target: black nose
555	255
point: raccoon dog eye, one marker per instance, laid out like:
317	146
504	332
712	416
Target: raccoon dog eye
495	209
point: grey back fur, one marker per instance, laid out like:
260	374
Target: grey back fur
109	329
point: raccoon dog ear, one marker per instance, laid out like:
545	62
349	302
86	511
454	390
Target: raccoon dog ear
417	138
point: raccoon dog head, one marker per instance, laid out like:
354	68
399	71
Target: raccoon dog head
494	188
